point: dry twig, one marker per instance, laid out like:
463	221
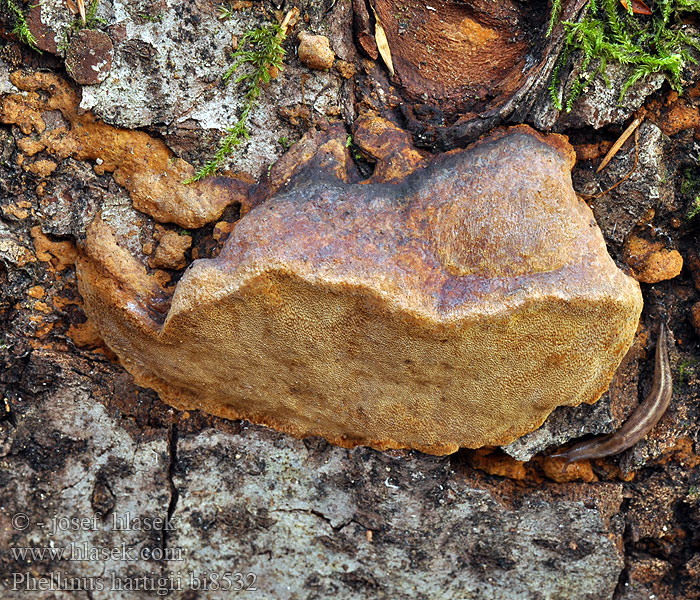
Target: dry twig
626	177
621	140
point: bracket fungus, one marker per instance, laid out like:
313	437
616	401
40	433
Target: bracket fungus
455	303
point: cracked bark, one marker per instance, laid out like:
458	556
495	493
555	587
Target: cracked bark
172	500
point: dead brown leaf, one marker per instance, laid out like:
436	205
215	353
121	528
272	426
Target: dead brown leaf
382	43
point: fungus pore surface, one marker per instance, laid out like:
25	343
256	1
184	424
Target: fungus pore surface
454	304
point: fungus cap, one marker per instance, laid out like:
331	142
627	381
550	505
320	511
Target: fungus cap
455	307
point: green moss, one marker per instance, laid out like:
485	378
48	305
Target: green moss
686	367
92	21
694	209
609	33
259	51
690	190
225	12
554	16
151	18
688	182
91	18
20	29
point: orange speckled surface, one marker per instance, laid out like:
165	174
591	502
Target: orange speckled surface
455	307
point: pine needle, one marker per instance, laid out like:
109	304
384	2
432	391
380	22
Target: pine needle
622	179
619	142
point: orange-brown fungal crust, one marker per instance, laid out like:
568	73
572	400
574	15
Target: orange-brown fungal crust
143	165
456	307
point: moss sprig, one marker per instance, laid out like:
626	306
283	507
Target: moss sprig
92	21
261	53
690	190
554	16
21	29
91	18
610	33
694	209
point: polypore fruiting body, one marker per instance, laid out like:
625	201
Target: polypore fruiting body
457	306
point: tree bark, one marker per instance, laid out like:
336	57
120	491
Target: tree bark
107	492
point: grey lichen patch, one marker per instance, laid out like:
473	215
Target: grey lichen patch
167	72
650	186
564	424
600	104
357	524
56	19
320	94
158	60
6	86
71	471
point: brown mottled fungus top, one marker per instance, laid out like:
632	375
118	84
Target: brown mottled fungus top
456	305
